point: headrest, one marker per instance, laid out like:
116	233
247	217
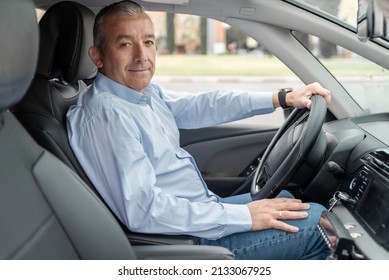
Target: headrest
18	49
66	34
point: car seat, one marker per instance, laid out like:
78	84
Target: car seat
46	210
63	63
66	31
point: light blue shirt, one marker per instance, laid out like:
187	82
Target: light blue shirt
128	144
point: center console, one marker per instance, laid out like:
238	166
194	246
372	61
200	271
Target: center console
358	225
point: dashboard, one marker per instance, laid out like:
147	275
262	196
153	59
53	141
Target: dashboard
357	171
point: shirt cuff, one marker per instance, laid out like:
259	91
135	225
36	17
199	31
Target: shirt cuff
238	219
261	102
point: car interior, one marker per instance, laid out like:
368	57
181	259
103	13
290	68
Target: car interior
49	212
337	156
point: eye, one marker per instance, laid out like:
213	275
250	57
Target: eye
149	43
125	44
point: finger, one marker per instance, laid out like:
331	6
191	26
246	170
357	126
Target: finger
293	215
308	104
318	89
292	205
281	200
328	98
290	215
285	227
326	94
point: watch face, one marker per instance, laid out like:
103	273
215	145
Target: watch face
286	90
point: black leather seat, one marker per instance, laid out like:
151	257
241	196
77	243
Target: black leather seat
63	64
66	33
46	210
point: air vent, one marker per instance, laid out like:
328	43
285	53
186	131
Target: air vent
378	160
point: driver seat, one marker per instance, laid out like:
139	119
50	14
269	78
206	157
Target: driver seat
63	65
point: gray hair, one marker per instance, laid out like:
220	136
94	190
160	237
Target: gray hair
121	8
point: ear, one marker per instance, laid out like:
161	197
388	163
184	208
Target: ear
95	55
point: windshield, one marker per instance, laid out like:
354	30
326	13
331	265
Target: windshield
343	12
365	81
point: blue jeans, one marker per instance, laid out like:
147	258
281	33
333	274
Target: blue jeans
274	244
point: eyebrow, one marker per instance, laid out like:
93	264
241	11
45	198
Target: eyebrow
126	36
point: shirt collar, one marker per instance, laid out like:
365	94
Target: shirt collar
105	84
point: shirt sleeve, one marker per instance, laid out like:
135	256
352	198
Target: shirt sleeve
215	107
114	158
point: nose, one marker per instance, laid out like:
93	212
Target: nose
140	54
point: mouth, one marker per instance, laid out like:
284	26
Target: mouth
137	70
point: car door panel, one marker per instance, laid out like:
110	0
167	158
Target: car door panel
227	154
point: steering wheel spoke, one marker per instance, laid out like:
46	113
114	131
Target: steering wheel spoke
289	149
262	178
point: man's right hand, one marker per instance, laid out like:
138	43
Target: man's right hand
270	213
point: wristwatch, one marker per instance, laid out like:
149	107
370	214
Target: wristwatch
282	97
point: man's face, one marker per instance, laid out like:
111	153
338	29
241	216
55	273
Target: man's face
128	55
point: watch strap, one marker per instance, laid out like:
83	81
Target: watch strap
282	97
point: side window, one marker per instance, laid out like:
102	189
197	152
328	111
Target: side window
365	81
197	54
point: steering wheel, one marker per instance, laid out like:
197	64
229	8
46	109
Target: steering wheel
290	148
